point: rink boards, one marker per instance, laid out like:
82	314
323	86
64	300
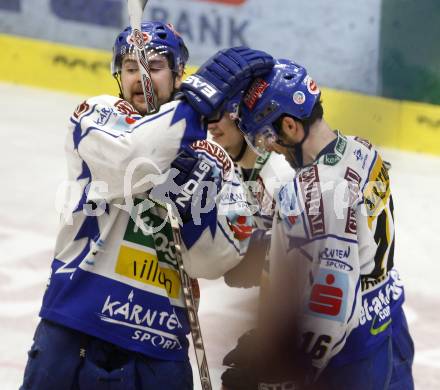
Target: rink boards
399	124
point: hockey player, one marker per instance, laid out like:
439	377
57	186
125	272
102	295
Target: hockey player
262	177
335	314
113	315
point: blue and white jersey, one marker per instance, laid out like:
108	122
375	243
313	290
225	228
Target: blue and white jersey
114	273
332	253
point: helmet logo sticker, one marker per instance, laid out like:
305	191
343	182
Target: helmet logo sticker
299	97
255	92
146	36
312	87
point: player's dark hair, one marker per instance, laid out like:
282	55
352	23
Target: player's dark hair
317	113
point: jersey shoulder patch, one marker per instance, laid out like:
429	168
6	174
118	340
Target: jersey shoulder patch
86	107
216	154
125	108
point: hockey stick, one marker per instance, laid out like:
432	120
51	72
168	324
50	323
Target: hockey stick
135	11
196	332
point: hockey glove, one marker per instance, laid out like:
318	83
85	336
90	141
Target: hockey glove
223	76
250	369
189	185
253	367
241	374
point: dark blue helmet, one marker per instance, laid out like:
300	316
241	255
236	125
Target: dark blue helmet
286	90
161	37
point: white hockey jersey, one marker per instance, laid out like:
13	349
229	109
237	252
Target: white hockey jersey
332	253
269	174
114	274
261	184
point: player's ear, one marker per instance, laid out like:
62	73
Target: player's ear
291	129
179	77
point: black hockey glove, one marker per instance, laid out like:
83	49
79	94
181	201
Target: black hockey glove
223	76
249	369
241	374
253	367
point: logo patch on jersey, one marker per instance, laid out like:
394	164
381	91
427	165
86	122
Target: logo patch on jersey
153	326
161	241
255	92
368	282
364	142
339	150
336	258
377	190
376	305
129	120
292	219
358	154
331	159
327	298
289	211
104	116
214	151
144	267
125	108
265	203
314	208
241	227
353	180
81	109
341	144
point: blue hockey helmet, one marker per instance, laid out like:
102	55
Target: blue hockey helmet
286	90
161	37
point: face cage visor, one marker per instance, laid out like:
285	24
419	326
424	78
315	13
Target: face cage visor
154	57
261	142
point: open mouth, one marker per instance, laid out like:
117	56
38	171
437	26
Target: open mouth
138	97
138	94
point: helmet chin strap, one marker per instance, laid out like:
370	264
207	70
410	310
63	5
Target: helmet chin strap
117	77
241	153
295	151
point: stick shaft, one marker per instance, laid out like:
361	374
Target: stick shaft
196	332
135	11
